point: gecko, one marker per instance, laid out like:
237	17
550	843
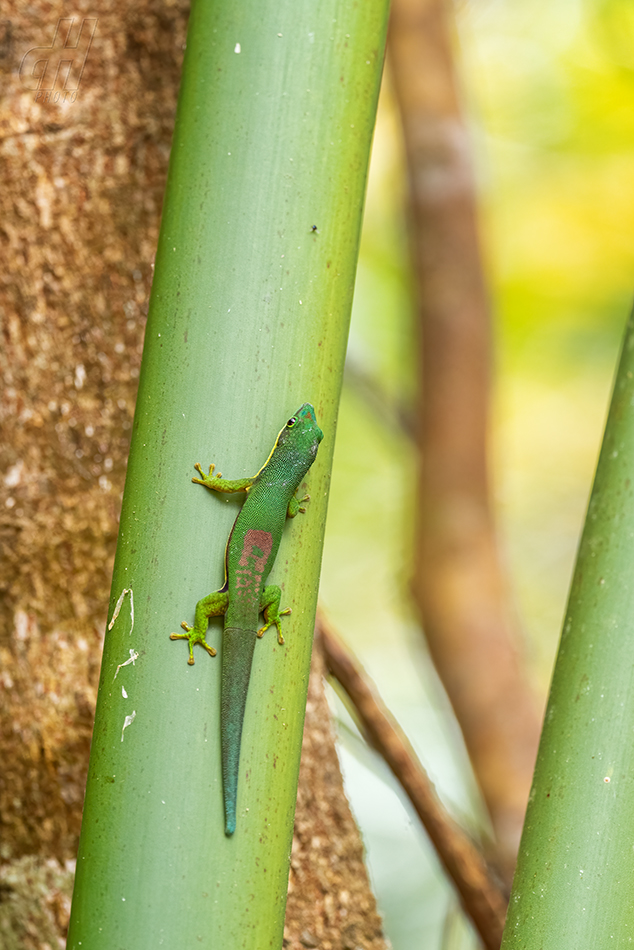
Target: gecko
249	555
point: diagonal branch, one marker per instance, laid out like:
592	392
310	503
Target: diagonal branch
481	896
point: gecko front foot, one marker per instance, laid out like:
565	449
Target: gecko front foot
205	479
192	637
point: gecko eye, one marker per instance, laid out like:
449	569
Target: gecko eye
291	422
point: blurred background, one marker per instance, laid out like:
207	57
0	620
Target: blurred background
546	93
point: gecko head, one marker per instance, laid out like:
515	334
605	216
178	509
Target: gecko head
302	430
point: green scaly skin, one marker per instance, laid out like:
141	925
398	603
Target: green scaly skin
251	550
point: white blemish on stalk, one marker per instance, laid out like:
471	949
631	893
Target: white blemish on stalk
236	48
123	692
128	722
133	656
126	590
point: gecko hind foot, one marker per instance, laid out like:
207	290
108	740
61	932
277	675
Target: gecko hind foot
192	638
275	622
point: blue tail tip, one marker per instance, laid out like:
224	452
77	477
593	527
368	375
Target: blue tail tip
230	826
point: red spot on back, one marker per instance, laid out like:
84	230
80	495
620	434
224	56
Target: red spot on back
257	545
255	553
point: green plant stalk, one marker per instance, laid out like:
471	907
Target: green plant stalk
248	319
574	884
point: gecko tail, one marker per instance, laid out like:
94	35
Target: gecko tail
237	655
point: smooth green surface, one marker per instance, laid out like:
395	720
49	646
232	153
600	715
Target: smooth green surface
574	886
248	319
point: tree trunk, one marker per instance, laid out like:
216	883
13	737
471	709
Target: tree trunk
459	582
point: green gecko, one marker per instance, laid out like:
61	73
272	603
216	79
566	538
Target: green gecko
251	550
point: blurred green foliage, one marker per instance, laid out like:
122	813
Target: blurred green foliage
548	91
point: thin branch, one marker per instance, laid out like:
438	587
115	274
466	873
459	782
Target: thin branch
481	896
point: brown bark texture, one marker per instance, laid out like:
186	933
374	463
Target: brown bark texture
82	184
79	213
330	904
459	582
